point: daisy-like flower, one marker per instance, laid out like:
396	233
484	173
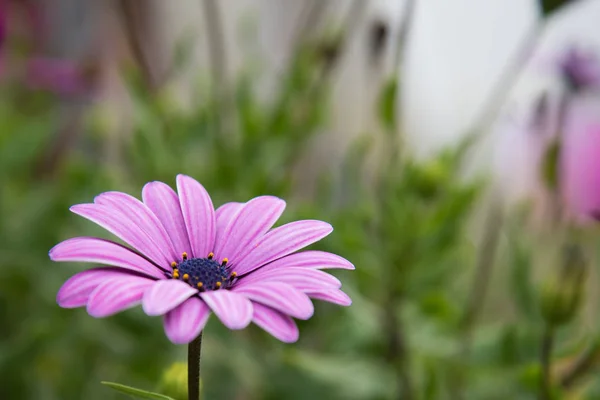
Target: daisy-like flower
187	260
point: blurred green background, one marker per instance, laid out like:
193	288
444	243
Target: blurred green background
454	296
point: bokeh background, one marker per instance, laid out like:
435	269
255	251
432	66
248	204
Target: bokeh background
453	144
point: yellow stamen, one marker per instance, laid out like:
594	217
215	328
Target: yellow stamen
176	274
200	284
225	261
173	264
233	275
218	284
184	255
211	255
186	277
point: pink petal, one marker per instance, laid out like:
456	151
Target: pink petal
199	215
117	294
225	215
234	310
247	226
332	296
164	203
165	295
139	214
282	241
122	227
279	296
301	279
184	323
76	291
312	259
277	324
88	249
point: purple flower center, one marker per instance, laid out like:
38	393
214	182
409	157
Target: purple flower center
203	273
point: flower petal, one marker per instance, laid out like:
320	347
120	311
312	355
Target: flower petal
282	241
76	291
139	214
122	227
247	226
234	310
301	279
332	296
199	215
225	215
184	323
279	296
277	324
117	294
312	259
165	295
164	203
88	249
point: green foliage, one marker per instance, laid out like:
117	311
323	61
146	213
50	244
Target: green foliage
136	393
550	6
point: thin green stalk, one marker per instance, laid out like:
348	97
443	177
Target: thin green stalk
194	356
546	363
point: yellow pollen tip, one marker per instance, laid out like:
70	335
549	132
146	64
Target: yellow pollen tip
175	274
186	277
225	260
184	255
211	255
200	284
173	264
233	274
218	284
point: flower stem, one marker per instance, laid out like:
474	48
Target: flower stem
545	363
194	353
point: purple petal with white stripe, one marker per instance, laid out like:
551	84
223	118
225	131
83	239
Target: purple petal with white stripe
335	296
94	250
311	259
164	203
76	291
247	226
122	227
165	295
277	324
139	214
185	322
225	215
301	279
282	241
117	294
234	310
199	215
279	296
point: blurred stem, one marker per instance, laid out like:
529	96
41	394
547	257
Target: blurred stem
508	77
585	364
194	355
483	269
545	362
398	348
405	26
216	47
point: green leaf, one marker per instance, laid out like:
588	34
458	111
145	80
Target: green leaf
550	165
550	6
136	393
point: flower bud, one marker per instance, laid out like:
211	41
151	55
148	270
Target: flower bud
561	294
174	381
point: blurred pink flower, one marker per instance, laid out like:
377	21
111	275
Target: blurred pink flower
189	260
580	159
60	76
579	68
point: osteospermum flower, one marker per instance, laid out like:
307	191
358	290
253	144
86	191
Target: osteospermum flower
187	260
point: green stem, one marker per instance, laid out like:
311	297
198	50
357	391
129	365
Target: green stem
194	354
545	363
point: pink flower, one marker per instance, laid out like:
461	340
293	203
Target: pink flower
190	260
580	160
